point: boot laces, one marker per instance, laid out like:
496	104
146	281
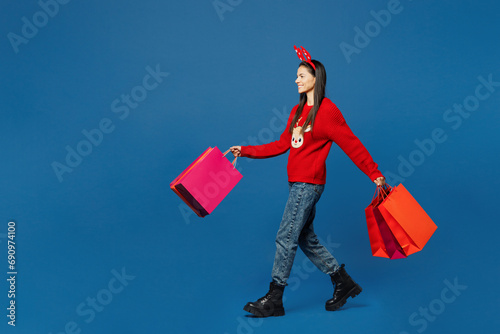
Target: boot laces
266	297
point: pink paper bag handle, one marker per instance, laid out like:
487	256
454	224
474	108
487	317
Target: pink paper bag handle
234	161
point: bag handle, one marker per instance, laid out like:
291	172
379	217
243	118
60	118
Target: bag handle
382	192
234	161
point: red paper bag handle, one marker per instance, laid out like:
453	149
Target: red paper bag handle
382	192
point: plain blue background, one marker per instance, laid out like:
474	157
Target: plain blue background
230	74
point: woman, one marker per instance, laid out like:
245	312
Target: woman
312	127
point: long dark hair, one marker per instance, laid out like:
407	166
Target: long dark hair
319	95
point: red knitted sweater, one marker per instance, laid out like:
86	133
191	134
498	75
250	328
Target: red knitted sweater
308	152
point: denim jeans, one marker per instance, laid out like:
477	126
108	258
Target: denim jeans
296	229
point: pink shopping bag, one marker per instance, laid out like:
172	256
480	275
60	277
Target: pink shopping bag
206	181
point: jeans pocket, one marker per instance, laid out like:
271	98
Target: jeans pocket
318	188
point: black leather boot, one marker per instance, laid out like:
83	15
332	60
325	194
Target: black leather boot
345	287
271	305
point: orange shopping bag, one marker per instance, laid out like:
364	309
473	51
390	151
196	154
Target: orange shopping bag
409	223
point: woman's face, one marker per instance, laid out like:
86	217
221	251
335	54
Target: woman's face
305	80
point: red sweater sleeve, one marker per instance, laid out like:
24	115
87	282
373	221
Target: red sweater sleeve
272	149
342	135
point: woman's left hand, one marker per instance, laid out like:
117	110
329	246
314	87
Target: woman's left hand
236	150
380	181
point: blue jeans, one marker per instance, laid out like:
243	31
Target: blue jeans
296	229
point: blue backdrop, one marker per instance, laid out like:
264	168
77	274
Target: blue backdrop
103	104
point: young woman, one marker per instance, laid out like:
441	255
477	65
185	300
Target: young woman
312	127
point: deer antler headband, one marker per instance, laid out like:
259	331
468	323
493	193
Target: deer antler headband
304	55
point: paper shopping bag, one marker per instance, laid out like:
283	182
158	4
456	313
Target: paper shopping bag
382	241
206	181
376	241
193	204
392	246
407	220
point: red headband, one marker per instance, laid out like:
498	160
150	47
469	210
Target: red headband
304	55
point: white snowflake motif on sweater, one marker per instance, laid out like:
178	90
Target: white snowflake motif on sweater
297	137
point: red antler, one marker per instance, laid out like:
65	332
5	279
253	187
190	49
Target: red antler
304	55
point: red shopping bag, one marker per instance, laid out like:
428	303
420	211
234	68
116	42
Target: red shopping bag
408	221
206	181
382	240
376	241
392	245
403	226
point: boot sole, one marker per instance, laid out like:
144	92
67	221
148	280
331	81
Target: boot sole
356	290
259	314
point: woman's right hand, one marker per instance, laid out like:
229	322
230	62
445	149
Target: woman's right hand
236	150
379	181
